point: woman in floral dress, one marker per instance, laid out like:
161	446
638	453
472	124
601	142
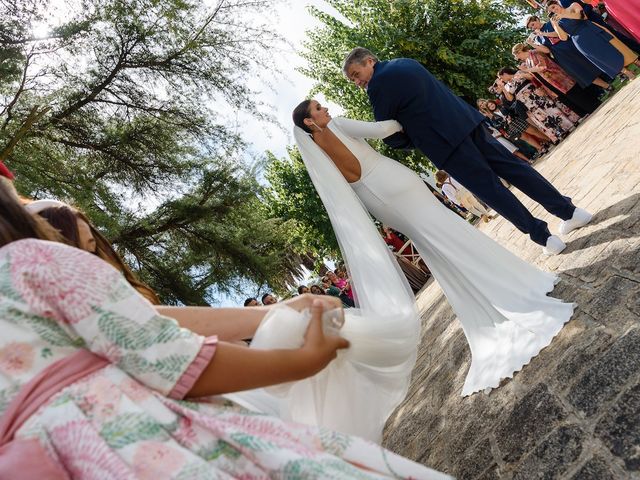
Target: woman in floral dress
128	419
551	117
555	81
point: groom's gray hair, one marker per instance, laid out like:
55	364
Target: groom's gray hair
357	55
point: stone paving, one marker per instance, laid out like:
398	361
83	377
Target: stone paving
574	411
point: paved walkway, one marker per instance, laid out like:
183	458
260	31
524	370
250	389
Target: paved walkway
574	411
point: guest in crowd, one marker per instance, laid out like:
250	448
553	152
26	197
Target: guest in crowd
445	201
461	196
251	302
513	116
330	289
584	72
268	299
392	239
302	289
594	41
557	83
318	290
497	126
6	178
343	285
551	117
593	14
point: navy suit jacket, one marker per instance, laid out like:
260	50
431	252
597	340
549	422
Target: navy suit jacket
435	121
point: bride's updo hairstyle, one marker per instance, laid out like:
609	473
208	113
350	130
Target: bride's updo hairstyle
300	113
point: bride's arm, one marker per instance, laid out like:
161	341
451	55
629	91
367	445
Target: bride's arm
359	129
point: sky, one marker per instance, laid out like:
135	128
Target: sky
290	87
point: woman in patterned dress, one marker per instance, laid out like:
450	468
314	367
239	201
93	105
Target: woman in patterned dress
551	117
556	82
128	418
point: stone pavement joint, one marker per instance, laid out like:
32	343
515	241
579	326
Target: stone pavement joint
574	411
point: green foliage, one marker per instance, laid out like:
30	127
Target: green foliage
291	196
462	42
118	111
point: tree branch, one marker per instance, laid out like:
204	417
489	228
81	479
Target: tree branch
34	115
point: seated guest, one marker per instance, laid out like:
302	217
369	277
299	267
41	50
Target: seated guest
268	299
97	378
303	289
318	290
251	302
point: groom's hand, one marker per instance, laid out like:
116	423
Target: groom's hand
399	140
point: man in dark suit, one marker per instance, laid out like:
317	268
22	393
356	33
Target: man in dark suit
452	135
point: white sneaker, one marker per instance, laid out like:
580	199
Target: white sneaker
579	219
554	246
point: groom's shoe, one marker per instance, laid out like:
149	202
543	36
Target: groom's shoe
554	246
579	219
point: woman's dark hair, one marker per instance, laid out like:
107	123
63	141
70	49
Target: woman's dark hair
300	113
507	70
16	223
65	220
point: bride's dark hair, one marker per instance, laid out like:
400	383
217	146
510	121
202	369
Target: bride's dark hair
300	113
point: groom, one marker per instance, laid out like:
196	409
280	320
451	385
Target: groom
450	133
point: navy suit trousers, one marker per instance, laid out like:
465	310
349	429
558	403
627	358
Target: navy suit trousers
480	161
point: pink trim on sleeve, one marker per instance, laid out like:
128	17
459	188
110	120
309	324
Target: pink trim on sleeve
189	377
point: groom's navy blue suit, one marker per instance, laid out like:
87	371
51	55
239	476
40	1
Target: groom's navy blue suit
452	135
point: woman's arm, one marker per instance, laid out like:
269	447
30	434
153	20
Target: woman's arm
546	34
234	368
228	324
360	129
561	33
231	324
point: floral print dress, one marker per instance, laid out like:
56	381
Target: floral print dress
128	420
550	116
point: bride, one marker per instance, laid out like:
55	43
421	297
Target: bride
499	299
